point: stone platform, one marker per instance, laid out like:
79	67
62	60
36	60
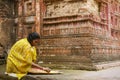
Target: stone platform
110	72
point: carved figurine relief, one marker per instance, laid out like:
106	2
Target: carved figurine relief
4	10
29	8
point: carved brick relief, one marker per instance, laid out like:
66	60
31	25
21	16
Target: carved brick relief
103	12
62	8
29	7
4	10
28	29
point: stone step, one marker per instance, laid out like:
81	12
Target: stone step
83	59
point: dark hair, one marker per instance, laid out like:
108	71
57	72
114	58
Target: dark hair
32	36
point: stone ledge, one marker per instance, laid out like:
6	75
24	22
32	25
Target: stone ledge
105	65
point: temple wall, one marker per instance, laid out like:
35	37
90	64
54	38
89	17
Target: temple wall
65	32
76	30
74	33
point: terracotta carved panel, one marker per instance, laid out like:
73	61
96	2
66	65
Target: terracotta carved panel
29	7
63	8
4	10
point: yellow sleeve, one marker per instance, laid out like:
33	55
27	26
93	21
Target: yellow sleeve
30	55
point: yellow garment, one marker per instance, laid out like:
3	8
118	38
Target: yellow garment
20	58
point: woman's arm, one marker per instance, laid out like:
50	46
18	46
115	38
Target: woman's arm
41	68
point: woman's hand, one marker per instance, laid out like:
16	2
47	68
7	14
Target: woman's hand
41	68
47	69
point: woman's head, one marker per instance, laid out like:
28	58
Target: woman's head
33	38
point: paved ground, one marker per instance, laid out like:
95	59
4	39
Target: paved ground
106	74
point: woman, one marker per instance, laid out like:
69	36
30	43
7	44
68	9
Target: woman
22	56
